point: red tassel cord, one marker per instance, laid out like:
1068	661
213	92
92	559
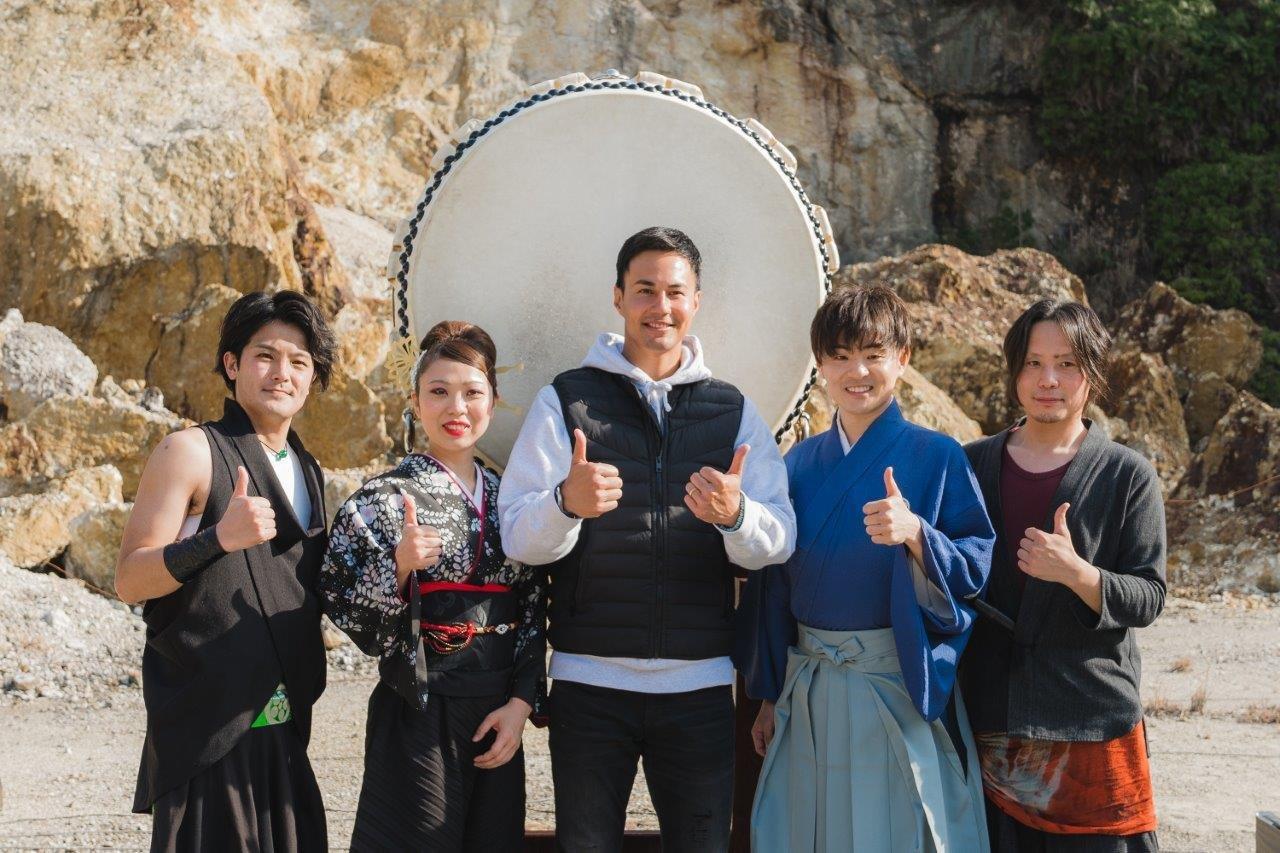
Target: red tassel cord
447	639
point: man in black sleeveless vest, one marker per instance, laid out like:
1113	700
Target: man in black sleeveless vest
631	478
224	546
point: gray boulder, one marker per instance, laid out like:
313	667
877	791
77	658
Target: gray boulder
38	362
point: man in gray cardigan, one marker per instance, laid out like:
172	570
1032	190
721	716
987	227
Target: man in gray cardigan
1078	564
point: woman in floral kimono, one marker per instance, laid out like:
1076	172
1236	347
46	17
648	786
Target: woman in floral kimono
415	574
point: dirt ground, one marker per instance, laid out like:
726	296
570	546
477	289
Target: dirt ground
68	771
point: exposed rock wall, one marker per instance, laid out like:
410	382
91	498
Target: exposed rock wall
145	184
1224	519
36	527
136	164
905	118
1211	354
38	362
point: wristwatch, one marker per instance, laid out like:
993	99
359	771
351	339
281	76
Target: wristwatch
560	502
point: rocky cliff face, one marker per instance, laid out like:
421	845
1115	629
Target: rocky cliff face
146	183
160	157
905	118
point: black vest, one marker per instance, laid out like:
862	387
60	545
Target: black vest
219	644
648	579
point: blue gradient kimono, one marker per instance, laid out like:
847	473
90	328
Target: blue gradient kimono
838	579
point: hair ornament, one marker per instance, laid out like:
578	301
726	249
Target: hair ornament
402	359
416	367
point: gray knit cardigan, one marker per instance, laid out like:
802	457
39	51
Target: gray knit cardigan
1065	672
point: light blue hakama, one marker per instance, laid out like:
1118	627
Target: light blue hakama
853	766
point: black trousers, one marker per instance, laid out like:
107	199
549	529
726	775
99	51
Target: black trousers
421	789
686	743
1009	836
261	796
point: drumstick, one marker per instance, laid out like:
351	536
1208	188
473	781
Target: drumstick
993	614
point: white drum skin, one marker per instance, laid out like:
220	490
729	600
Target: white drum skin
523	232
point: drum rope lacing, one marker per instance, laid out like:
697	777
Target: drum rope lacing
402	276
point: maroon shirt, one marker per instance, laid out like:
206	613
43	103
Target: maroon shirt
1024	502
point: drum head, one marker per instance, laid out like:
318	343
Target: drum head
521	233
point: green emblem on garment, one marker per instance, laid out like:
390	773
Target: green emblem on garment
277	710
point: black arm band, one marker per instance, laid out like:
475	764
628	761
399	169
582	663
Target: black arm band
188	557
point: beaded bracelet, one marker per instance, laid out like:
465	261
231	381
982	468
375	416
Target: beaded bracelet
742	513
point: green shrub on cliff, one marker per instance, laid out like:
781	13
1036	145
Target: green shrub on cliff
1006	229
1156	83
1215	232
1181	99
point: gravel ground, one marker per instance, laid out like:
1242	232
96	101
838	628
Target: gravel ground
59	641
71	723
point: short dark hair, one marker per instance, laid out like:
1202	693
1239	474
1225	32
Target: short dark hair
856	317
659	238
1090	343
252	311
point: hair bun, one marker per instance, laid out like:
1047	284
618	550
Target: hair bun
458	340
448	330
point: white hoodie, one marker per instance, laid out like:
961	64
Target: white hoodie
535	531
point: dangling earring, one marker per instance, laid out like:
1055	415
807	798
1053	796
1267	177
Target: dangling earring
408	418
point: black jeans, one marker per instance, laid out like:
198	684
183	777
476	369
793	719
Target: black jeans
686	742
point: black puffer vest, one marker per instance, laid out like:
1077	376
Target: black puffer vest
648	579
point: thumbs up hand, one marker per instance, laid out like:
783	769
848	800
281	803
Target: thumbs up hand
248	521
1060	522
890	520
420	545
592	488
715	497
1051	556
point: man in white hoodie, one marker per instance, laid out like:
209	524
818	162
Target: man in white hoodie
631	479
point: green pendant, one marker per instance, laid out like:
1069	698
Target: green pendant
277	455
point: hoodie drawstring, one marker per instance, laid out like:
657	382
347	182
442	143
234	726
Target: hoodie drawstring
655	391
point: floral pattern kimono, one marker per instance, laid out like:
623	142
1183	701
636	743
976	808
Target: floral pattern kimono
358	586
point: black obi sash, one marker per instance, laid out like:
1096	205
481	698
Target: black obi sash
468	637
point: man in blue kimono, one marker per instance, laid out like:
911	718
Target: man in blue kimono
853	642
